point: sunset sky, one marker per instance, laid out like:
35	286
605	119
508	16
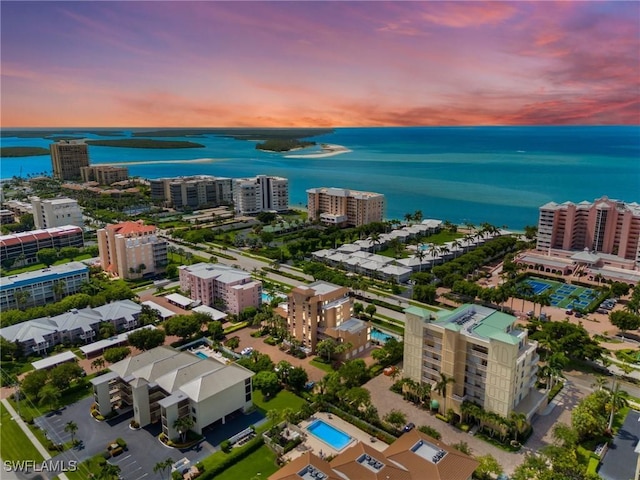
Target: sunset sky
302	63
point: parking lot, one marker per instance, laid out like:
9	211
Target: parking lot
144	450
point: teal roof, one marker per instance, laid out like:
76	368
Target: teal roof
491	324
494	323
420	312
504	337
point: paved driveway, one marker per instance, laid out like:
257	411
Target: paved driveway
619	462
144	449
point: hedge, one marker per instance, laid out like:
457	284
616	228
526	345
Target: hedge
234	457
593	466
235	327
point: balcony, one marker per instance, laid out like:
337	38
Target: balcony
476	353
458	398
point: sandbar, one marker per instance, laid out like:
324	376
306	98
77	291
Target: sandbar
328	150
160	162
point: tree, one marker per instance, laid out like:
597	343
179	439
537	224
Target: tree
182	425
616	400
358	398
354	373
71	427
98	363
297	378
50	396
441	387
171	271
425	293
267	382
21	298
109	471
624	320
34	382
115	354
619	289
62	375
163	466
358	308
519	423
488	467
326	347
462	447
184	326
106	330
8	350
375	240
59	289
215	330
48	256
396	418
371	310
146	339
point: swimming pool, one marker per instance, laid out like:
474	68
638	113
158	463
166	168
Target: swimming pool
201	355
330	435
379	336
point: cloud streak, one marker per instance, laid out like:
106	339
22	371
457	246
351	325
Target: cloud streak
319	63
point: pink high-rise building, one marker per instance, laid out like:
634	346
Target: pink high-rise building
605	226
215	285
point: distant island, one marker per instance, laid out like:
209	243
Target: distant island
23	151
238	133
283	144
62	133
144	143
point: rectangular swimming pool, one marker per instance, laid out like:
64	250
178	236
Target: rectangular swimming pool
202	355
330	435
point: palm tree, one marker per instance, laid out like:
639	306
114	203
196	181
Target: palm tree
524	291
455	247
408	217
109	472
182	425
617	400
444	251
374	238
98	363
59	288
71	427
420	255
519	423
599	383
417	216
21	298
441	387
544	300
163	466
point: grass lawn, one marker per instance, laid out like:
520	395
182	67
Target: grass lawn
260	464
40	266
284	399
321	365
393	253
69	396
14	444
85	469
442	237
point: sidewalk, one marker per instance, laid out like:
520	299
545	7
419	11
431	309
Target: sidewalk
32	438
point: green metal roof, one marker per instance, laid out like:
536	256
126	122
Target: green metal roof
495	326
505	337
420	312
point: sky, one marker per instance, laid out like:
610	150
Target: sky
318	64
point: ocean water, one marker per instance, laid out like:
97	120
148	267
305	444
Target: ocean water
499	175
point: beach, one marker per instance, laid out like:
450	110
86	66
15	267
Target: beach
328	150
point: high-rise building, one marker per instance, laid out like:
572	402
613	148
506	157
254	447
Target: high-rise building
343	207
490	359
68	157
56	212
261	193
603	226
131	250
104	174
215	284
323	310
192	192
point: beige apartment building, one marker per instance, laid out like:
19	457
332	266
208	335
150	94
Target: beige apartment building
323	310
194	192
604	226
68	157
261	193
56	212
104	174
491	360
343	207
131	249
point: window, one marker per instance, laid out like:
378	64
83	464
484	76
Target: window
247	397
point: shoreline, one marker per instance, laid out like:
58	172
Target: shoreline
159	162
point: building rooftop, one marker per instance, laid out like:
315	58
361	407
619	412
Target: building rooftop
54	360
131	228
33	235
222	273
322	288
353	325
479	321
44	275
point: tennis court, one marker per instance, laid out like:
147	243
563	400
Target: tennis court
563	295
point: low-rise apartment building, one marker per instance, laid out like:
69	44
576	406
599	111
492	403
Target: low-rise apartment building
104	174
6	216
343	207
43	286
220	286
323	310
40	335
414	456
56	212
261	193
131	250
23	247
192	192
164	384
490	359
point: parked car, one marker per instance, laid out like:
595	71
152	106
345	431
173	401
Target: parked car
569	311
579	314
409	426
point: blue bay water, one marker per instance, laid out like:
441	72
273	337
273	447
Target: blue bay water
500	175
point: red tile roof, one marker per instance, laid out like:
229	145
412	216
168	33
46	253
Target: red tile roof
131	228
